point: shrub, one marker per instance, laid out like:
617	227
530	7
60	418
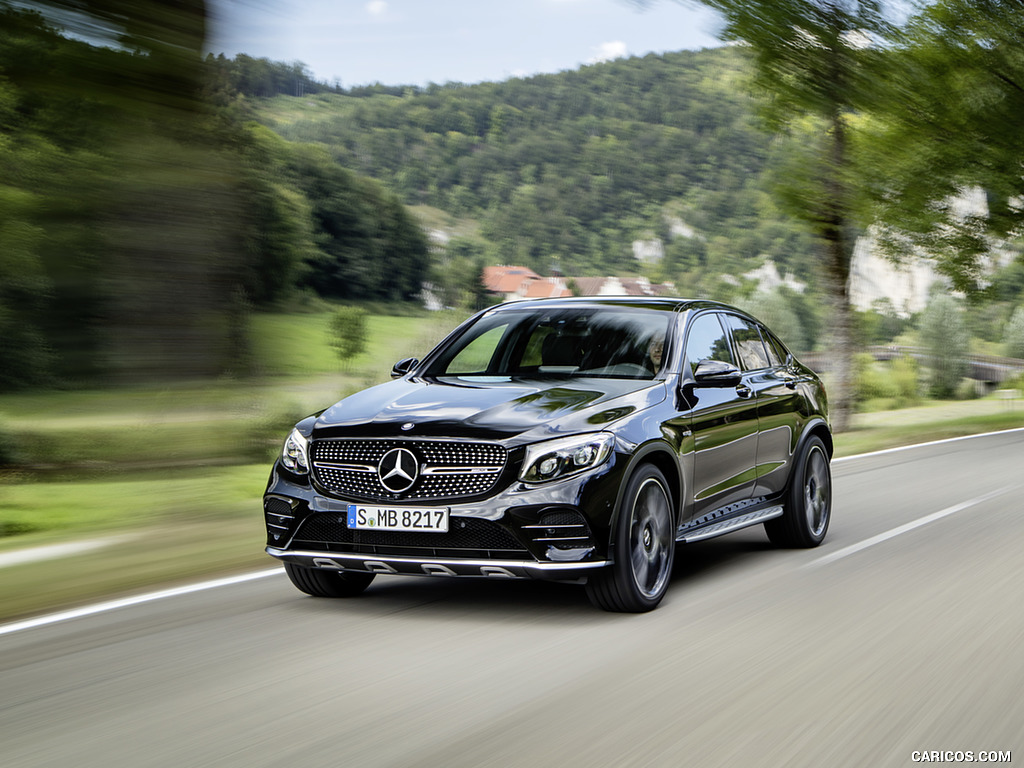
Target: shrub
906	380
1013	334
347	332
870	381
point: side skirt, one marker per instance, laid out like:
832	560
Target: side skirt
715	525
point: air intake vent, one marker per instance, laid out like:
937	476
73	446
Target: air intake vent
561	529
279	517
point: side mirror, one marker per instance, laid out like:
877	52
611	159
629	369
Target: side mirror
716	373
402	367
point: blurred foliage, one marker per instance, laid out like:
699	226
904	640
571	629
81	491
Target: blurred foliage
142	214
1013	339
9	454
907	381
118	197
869	378
881	324
776	310
945	340
948	111
347	330
896	382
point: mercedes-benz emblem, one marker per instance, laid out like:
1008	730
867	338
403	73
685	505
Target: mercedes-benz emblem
398	470
407	426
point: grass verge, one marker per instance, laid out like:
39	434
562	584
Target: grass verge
935	421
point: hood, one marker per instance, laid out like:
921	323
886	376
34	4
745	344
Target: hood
495	409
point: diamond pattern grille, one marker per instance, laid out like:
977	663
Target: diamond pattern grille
481	463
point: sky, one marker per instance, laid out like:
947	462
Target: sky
414	42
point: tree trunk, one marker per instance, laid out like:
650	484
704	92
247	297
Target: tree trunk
841	346
838	250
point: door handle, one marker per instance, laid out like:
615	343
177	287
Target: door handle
791	383
744	391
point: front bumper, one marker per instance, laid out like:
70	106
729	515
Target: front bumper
554	531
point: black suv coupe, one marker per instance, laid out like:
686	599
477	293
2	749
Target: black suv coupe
577	438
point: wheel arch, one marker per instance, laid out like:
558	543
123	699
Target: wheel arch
816	427
660	456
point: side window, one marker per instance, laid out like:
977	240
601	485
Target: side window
707	340
776	352
749	346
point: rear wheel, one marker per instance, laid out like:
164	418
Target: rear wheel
644	548
808	505
319	582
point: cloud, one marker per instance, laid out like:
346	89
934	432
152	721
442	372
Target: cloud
614	49
377	7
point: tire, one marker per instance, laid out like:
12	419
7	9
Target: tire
326	583
808	505
644	548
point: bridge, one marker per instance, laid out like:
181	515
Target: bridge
989	369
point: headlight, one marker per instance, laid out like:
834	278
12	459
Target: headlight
555	459
294	453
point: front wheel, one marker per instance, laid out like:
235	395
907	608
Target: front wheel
808	506
643	550
319	582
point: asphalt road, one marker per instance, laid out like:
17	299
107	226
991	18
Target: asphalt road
890	639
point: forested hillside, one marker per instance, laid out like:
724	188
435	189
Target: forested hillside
566	170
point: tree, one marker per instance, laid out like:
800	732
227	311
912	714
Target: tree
369	246
348	332
1014	334
119	189
950	113
815	65
945	340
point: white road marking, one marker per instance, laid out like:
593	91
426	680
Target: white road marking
921	521
113	605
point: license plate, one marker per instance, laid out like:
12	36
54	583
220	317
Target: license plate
366	518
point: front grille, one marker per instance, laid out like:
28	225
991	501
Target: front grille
446	469
466	537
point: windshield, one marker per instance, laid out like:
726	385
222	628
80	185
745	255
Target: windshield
576	341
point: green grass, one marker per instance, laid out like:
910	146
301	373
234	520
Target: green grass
935	420
148	558
292	345
36	511
224	422
162	529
